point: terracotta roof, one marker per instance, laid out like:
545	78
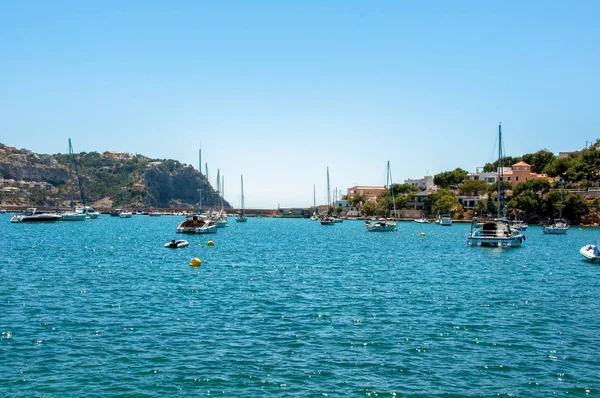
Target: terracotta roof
521	164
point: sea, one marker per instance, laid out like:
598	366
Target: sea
288	307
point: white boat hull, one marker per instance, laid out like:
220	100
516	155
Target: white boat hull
552	230
381	226
72	217
495	242
590	253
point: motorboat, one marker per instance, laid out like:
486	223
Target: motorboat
72	216
327	220
89	211
445	220
32	215
338	219
125	214
381	225
115	212
494	233
196	224
421	220
557	227
591	252
519	225
176	244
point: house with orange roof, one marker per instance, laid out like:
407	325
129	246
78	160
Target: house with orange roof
521	172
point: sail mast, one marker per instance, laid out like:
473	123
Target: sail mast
242	184
328	194
500	173
77	174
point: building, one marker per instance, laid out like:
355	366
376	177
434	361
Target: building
521	172
368	192
424	184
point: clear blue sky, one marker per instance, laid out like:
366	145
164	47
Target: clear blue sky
279	90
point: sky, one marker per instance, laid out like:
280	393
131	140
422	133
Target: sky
277	91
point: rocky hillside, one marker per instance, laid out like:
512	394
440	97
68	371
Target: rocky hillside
111	179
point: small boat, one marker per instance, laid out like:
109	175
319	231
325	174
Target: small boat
421	220
89	211
445	220
115	212
125	214
196	224
591	252
382	225
154	214
327	220
338	220
176	244
32	215
519	225
556	227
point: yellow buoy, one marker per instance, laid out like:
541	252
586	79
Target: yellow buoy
395	229
227	225
210	243
195	262
422	233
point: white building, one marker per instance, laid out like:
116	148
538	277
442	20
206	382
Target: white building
424	184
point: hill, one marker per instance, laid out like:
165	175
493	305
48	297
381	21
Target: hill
110	179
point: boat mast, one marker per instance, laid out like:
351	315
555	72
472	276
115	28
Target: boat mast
500	173
387	185
314	196
328	194
200	183
242	183
77	175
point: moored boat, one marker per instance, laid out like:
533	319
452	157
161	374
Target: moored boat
32	215
196	224
176	244
384	224
591	252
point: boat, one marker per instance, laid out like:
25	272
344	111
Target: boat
591	252
421	220
125	214
315	215
32	215
221	216
328	219
73	215
241	217
176	244
445	220
89	211
557	226
154	214
196	224
519	225
384	224
115	212
496	232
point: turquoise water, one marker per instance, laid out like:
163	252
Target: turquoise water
287	307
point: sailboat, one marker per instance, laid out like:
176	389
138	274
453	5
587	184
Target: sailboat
384	224
315	215
328	219
558	226
221	216
241	217
197	223
497	232
73	215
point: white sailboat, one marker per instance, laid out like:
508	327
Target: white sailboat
558	226
327	219
497	232
241	217
315	215
384	224
73	215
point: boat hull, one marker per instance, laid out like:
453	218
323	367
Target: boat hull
495	242
381	226
35	218
588	252
555	230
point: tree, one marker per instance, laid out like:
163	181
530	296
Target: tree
449	179
443	202
539	160
473	187
575	207
368	208
507	161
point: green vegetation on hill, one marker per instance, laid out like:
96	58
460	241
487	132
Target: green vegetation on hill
134	181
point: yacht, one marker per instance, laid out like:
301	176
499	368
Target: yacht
32	215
